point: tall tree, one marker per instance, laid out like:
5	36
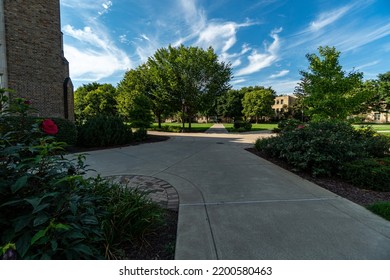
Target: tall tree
94	99
328	91
135	108
192	78
230	104
258	102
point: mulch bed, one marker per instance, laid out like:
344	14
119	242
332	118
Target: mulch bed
336	185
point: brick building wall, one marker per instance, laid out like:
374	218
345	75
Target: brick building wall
37	68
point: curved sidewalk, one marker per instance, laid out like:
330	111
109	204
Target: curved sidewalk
235	205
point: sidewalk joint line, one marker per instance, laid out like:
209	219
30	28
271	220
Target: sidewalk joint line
257	201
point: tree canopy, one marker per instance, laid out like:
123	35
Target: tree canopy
95	99
328	91
258	102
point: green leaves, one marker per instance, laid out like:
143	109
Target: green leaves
328	91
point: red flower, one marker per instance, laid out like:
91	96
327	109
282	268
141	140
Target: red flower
27	102
49	127
301	126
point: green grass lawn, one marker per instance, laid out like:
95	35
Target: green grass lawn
176	127
255	127
377	127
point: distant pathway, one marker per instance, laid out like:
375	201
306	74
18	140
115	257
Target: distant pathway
217	128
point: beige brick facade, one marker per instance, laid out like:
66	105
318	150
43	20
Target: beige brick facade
282	103
36	67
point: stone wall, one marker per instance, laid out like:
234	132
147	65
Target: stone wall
37	68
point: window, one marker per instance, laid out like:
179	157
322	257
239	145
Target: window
377	116
277	101
281	101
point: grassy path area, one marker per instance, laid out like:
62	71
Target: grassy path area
176	127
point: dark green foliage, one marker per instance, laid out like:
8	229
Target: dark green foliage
67	131
322	148
289	124
131	217
244	126
94	99
140	134
48	210
381	208
368	173
104	131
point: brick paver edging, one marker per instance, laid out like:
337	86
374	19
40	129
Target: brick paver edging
159	191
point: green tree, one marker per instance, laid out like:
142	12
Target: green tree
189	78
258	102
135	108
230	104
95	99
329	92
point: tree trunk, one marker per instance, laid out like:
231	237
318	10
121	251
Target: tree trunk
159	120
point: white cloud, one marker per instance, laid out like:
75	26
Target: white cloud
106	7
327	18
221	36
280	74
93	56
259	61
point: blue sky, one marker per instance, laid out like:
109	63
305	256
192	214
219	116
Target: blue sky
264	40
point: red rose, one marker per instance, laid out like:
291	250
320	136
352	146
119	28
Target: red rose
49	127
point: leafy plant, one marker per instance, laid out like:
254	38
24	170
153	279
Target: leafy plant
103	131
48	210
322	148
131	216
368	173
243	126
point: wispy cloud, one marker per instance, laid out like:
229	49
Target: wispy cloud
327	18
282	87
366	65
97	58
279	74
259	61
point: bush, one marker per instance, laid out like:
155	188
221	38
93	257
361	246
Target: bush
289	124
104	131
381	208
242	126
322	148
140	134
368	173
67	131
48	210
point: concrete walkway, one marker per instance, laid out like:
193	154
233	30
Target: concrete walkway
235	205
217	128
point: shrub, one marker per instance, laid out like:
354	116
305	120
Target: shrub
67	131
288	124
321	148
103	131
242	126
368	173
48	210
381	208
140	134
